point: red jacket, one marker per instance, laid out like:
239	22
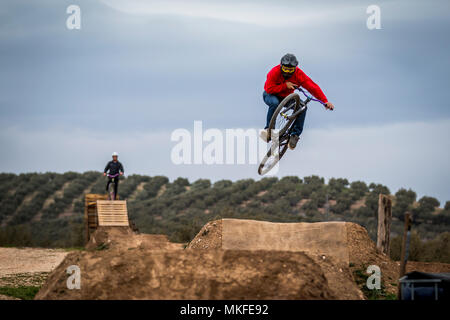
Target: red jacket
276	84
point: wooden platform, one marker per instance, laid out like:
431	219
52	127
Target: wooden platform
112	213
91	213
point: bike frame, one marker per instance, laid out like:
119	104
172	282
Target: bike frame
304	103
112	177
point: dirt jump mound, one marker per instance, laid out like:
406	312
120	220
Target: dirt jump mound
119	264
326	238
244	259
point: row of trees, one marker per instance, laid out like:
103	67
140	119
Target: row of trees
437	249
180	208
23	196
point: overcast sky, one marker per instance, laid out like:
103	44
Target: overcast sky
137	70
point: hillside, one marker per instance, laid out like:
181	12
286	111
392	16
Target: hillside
46	210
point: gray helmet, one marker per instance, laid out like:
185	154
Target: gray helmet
289	60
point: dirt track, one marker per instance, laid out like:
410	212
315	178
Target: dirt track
131	266
3	297
122	265
27	266
119	264
29	260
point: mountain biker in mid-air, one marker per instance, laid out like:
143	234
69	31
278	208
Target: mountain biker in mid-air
115	169
281	82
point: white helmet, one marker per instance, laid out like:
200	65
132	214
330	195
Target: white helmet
115	154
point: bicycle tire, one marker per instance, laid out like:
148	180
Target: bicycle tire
111	188
284	103
281	151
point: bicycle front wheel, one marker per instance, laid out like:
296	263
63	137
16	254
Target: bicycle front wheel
111	193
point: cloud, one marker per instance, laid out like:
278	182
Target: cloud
139	69
280	13
135	66
411	155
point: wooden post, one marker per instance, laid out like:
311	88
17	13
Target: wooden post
86	218
405	249
384	223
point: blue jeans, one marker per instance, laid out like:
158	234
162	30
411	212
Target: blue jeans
273	101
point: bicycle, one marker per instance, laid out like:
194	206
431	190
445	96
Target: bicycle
281	125
112	186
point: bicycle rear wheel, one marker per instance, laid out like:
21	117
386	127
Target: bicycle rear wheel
280	120
272	156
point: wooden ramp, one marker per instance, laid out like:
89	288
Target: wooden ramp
112	213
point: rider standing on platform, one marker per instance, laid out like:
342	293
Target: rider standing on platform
115	169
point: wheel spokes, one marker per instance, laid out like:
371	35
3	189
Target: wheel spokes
274	154
283	117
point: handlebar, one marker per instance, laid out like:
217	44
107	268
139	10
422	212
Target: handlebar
113	175
309	97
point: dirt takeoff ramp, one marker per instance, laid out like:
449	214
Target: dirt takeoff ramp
324	242
112	213
323	238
